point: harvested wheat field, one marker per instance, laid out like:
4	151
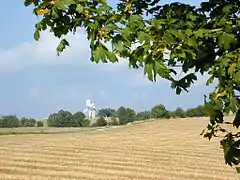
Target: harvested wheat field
160	149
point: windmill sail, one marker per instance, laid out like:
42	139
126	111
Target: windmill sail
90	108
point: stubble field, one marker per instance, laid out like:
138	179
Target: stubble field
161	149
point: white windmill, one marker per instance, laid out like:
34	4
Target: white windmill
90	108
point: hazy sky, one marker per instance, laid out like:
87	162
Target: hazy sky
35	82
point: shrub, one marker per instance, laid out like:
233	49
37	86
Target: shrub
23	122
179	113
143	115
196	112
113	122
108	112
86	123
167	115
158	111
39	124
77	119
31	122
61	119
125	115
10	121
100	122
28	122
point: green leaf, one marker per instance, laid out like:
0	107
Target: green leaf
231	69
110	27
36	35
148	69
139	52
222	22
186	81
210	80
179	34
224	62
185	66
231	150
162	70
114	18
182	55
60	5
55	13
178	90
62	45
226	9
225	40
38	25
192	17
93	25
95	55
100	54
79	8
112	56
68	2
219	104
158	23
199	33
233	104
136	21
143	37
236	121
192	43
236	77
190	24
27	3
126	33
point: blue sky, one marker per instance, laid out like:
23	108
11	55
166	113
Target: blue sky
35	82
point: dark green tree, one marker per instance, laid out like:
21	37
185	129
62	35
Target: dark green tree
78	119
203	39
125	115
143	115
159	111
201	111
196	112
40	124
191	112
179	112
10	121
86	123
107	112
62	118
31	122
52	120
168	114
23	122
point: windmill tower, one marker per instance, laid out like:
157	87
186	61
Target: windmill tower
90	109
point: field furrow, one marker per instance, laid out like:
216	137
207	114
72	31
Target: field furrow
163	149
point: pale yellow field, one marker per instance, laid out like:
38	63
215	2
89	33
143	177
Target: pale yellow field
162	149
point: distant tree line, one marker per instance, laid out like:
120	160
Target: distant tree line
106	117
128	115
159	111
65	118
12	121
